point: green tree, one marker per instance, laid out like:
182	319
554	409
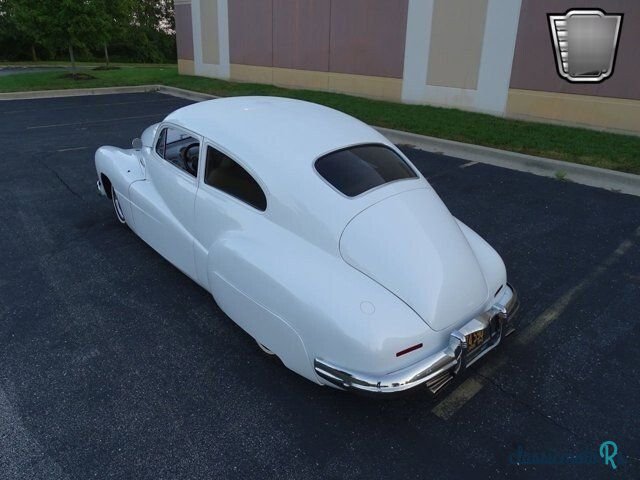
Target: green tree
27	19
74	23
113	19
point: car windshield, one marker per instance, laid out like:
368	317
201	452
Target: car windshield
356	170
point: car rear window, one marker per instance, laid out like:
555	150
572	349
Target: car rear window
355	170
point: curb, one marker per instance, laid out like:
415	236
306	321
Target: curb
583	174
183	93
77	92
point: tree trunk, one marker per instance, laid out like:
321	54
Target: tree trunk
106	54
33	53
73	60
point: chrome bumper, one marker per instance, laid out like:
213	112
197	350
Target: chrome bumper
439	369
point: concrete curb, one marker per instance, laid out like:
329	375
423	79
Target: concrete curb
583	174
183	93
77	92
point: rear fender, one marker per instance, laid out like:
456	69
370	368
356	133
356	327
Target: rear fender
303	303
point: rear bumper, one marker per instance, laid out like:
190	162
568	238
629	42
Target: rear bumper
439	369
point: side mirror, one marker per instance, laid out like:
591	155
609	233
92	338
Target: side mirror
136	144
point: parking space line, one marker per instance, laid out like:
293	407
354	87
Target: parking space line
456	399
71	149
560	305
469	164
55	125
470	387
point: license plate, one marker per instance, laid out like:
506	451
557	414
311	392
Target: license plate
476	340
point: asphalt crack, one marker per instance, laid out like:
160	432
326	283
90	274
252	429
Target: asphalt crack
61	180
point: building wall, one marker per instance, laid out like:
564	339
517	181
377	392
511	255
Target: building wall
537	91
354	46
492	56
458	53
184	37
457	34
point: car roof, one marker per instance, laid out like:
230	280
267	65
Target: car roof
270	134
277	140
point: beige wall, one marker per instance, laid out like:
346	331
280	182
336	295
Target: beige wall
581	110
209	31
364	85
186	67
457	33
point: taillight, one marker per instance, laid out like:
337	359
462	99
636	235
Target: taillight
410	349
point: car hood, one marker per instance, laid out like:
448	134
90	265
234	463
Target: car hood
410	244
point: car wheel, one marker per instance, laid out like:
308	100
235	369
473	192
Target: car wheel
117	207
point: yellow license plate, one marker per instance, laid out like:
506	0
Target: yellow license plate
475	340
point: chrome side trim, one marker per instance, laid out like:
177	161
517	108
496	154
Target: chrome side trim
438	369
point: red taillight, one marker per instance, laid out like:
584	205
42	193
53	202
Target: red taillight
410	349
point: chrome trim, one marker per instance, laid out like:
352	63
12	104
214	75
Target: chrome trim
101	190
438	369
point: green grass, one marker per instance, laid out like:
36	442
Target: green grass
578	145
80	64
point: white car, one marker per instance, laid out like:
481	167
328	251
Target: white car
316	235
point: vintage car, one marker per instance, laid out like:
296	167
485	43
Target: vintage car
317	236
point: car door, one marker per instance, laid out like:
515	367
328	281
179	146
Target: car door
229	199
164	203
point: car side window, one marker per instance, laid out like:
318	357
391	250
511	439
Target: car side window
180	149
224	174
161	140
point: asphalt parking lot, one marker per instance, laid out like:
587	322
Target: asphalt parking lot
113	364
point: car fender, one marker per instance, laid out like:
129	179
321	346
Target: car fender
303	303
491	263
122	168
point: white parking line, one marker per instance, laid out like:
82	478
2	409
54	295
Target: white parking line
94	121
560	305
470	387
456	399
469	164
71	149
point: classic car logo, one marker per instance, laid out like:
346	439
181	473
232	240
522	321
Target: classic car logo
585	44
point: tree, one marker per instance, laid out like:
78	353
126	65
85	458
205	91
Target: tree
74	23
154	14
113	18
138	30
28	19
